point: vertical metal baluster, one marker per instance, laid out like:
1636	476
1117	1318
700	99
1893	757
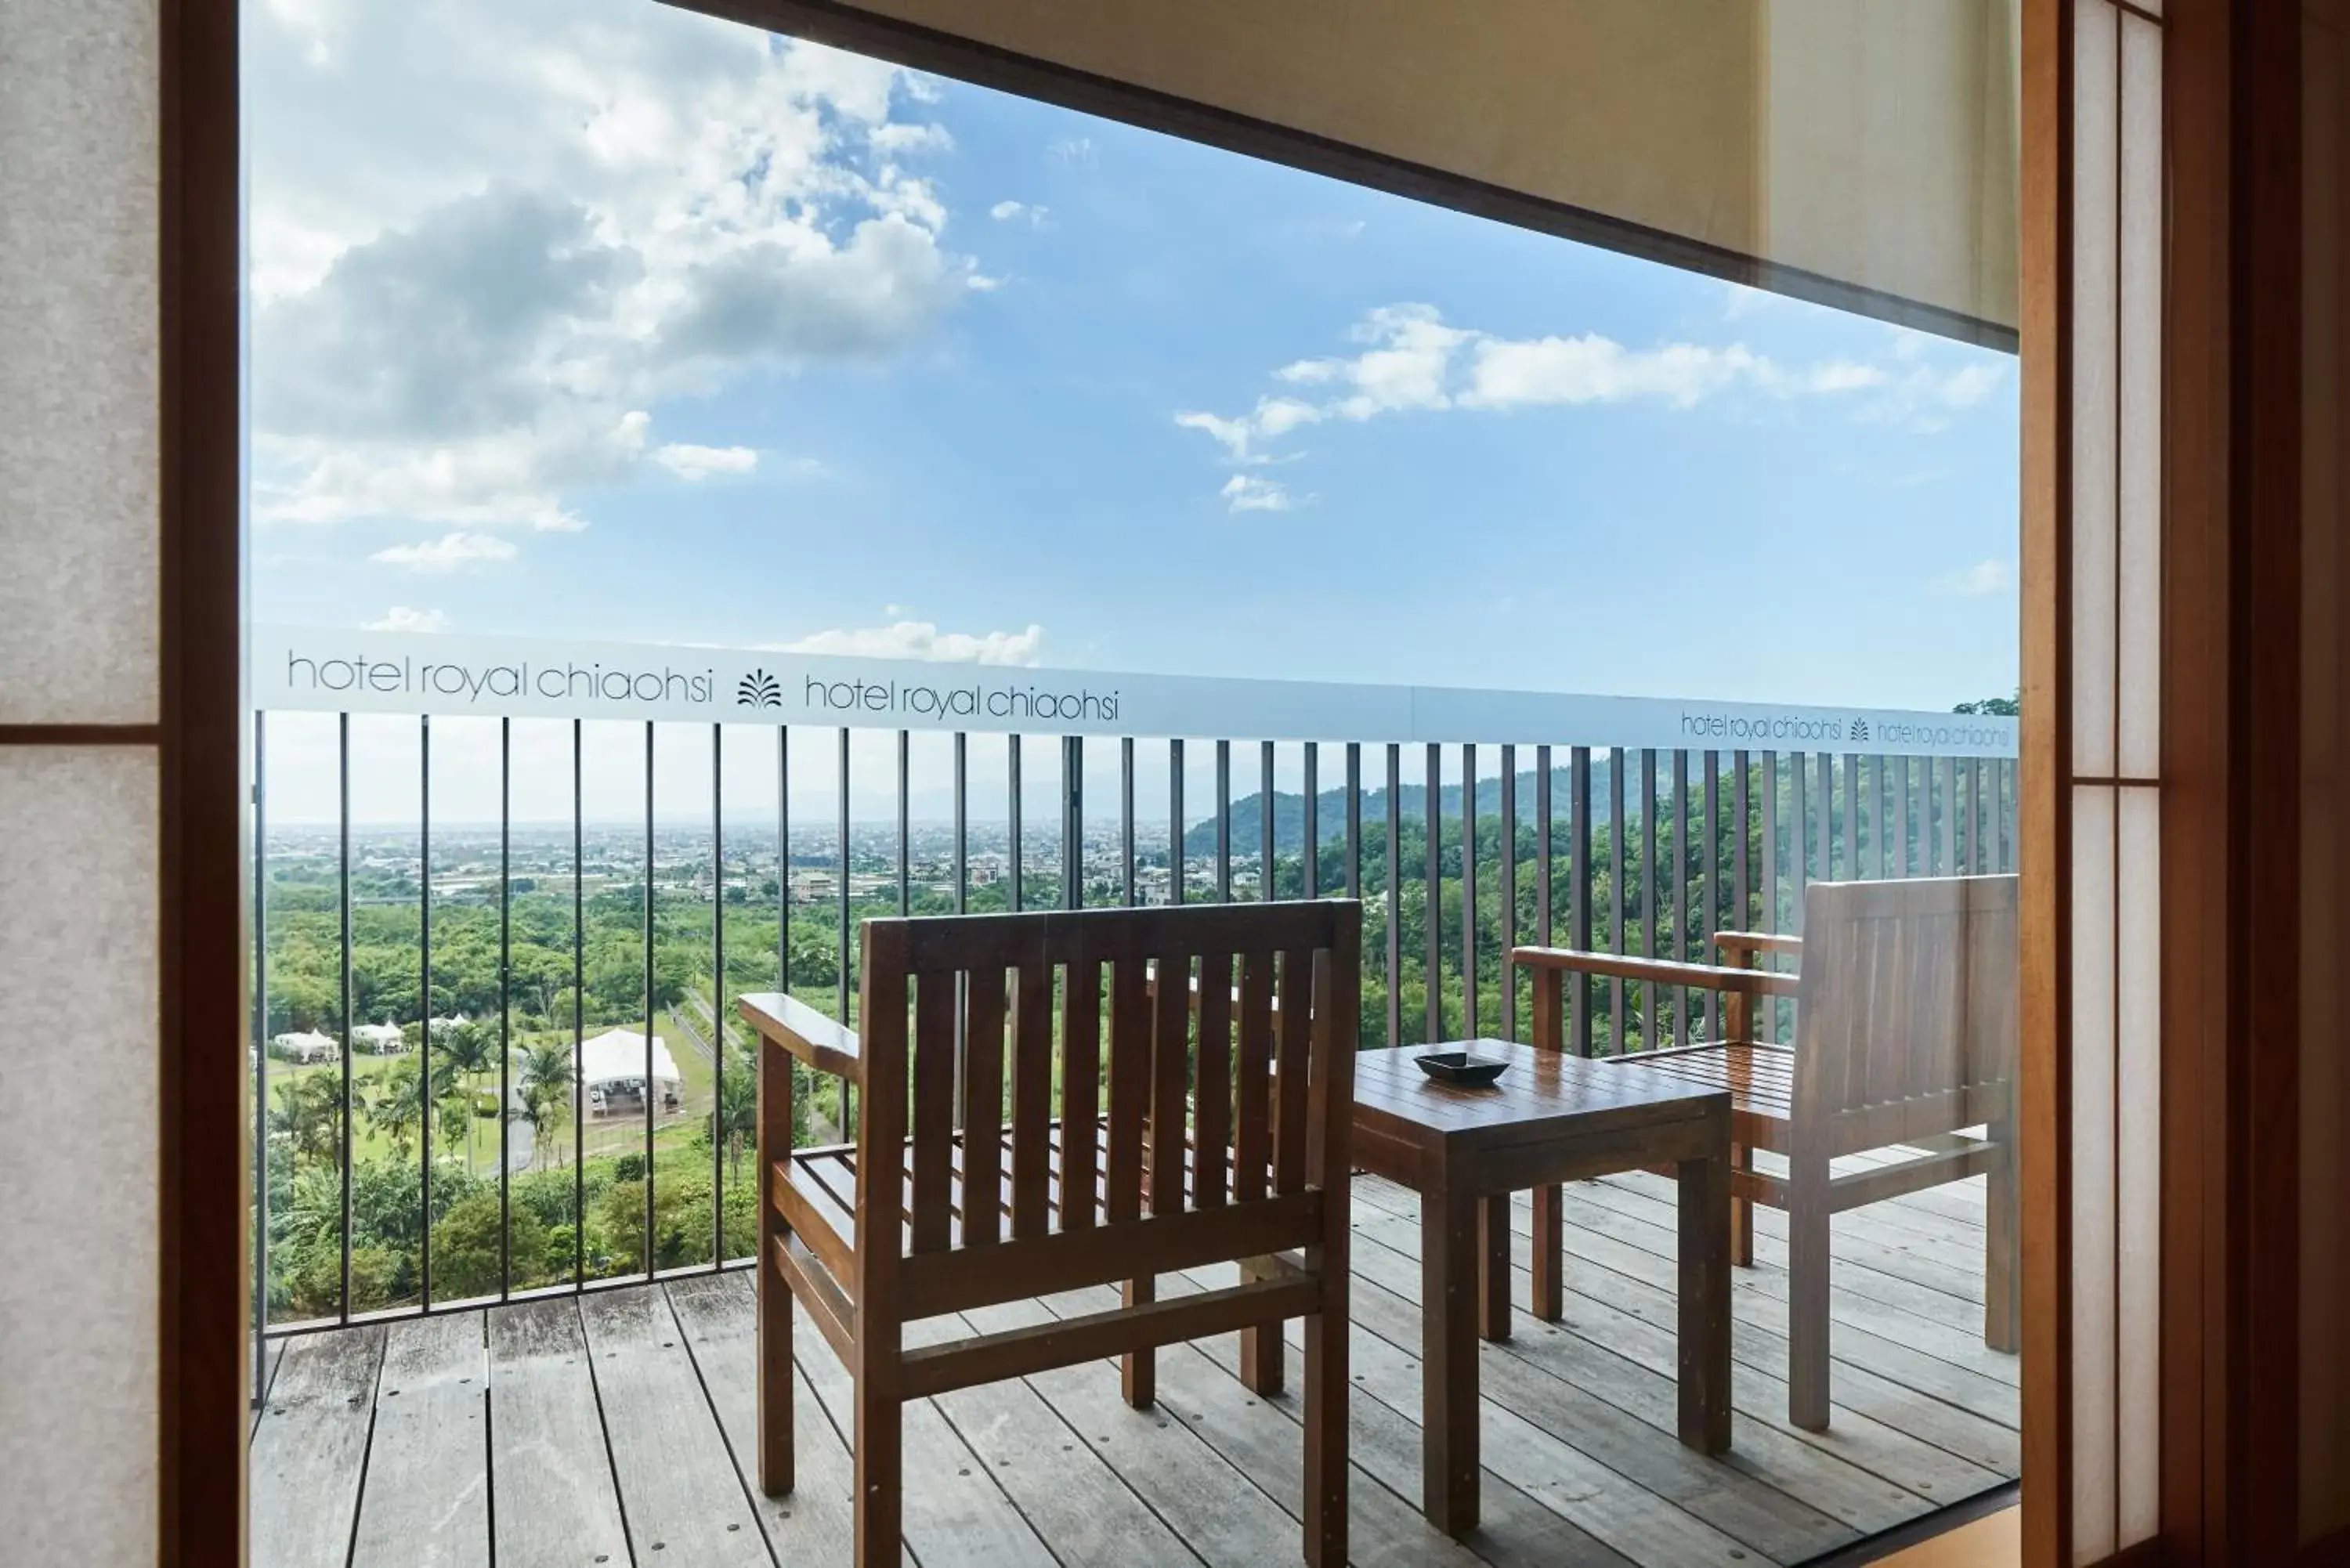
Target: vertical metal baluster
1770	899
261	1065
1507	933
1395	895
1742	804
1652	993
505	1009
1853	863
1019	862
1903	865
1126	815
1175	855
1072	822
905	825
1468	891
1542	829
1799	837
843	989
1950	789
1353	819
1266	805
1579	872
424	1045
343	906
1827	816
1682	937
1974	815
1431	816
717	1129
2006	815
961	822
1618	990
1710	881
783	898
579	1008
1310	869
1881	799
1224	822
650	983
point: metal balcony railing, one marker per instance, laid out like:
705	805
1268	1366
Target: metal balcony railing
497	960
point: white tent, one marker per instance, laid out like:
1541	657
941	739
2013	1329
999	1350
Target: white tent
615	1059
309	1045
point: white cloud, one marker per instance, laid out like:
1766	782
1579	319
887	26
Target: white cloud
1076	150
449	553
1008	212
399	617
1252	492
901	140
923	640
1982	580
1414	361
483	238
691	463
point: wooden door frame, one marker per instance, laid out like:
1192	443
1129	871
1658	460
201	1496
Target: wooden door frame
2208	1229
202	1023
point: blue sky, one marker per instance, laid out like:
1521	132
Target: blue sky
646	329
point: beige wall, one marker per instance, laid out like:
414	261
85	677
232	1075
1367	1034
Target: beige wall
1872	144
79	904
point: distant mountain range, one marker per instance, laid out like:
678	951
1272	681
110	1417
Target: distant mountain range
1289	809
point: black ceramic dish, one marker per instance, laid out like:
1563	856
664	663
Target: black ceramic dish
1461	1068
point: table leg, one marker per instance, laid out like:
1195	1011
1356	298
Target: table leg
1705	1303
1494	1266
1447	1276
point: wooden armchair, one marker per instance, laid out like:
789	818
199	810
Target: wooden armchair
1907	1037
1161	1157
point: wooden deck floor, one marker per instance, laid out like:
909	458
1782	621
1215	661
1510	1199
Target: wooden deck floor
616	1428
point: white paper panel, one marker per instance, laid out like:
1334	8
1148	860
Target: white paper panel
2138	1161
79	1298
79	630
2139	596
2096	286
2095	1373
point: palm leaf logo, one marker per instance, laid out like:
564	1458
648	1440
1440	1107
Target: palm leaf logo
759	689
1859	728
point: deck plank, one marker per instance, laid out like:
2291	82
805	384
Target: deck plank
679	1489
811	1523
1218	1512
310	1454
1865	1472
958	1516
1068	1492
427	1499
1582	1466
559	1506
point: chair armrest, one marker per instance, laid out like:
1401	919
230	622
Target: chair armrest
791	1024
1706	976
1731	942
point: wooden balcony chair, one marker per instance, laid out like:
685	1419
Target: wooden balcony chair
1162	1158
1906	1037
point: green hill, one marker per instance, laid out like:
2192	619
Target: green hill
1289	809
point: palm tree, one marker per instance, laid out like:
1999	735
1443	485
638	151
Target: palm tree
392	1106
545	1090
736	1117
468	1051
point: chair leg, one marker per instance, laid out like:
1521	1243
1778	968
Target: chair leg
1262	1354
2002	1280
1325	1438
1138	1369
1807	1300
1741	1211
880	1470
774	1380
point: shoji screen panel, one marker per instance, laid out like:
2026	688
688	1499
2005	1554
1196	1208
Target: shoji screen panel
2112	538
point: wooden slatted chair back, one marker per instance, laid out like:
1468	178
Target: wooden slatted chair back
1055	1107
1907	1010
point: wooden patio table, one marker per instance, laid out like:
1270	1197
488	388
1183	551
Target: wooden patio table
1550	1118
